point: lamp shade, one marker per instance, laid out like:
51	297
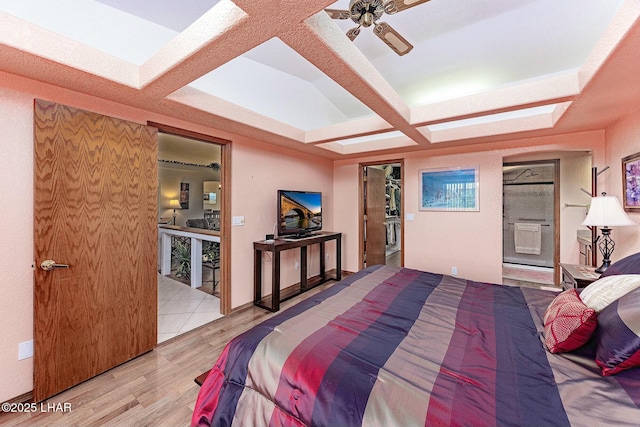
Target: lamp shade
606	211
174	204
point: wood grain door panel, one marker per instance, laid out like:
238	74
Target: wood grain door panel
95	210
376	236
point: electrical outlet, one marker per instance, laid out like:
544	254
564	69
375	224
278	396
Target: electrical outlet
297	265
454	271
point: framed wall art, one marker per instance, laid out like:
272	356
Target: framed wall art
631	182
184	195
449	189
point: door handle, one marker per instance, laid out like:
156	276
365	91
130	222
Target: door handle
50	264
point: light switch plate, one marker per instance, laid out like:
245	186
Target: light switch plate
237	221
25	350
410	217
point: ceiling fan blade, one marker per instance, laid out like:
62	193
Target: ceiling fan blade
353	33
392	38
338	13
395	6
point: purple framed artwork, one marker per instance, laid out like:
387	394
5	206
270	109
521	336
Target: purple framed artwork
631	182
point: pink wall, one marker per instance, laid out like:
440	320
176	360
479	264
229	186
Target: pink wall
432	240
16	250
623	139
470	241
437	241
258	171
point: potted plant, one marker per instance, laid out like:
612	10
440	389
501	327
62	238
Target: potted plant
211	252
181	255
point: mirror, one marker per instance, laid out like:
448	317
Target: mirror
211	203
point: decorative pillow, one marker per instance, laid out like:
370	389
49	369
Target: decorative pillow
628	265
568	323
606	290
618	335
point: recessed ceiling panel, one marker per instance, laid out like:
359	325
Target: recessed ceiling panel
275	81
493	118
172	14
382	141
526	119
95	24
370	138
462	47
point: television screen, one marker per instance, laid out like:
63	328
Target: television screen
299	212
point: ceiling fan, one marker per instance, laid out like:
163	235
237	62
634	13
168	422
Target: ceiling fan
367	12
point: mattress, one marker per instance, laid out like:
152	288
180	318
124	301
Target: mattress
393	346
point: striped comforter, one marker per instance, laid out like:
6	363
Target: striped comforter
391	346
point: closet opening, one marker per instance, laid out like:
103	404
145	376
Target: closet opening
381	208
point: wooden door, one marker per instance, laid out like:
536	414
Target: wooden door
375	230
96	211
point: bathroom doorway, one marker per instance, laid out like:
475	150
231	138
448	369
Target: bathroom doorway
530	219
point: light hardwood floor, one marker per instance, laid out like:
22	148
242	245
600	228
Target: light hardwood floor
157	388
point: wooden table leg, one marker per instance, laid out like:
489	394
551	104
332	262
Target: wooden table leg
257	276
339	258
322	263
275	281
303	268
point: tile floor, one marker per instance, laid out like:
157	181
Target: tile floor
519	275
181	308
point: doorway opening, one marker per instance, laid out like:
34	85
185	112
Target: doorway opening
381	210
191	218
530	222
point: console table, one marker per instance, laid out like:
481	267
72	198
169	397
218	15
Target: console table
279	245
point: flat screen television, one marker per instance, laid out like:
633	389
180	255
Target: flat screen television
299	213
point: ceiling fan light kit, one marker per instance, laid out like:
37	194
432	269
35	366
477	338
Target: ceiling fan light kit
366	13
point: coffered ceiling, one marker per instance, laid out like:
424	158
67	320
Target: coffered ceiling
284	72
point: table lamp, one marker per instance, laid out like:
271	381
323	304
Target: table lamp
606	211
174	204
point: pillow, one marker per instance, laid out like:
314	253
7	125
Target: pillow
618	335
604	291
628	265
568	323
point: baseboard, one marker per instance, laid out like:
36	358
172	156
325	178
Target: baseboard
23	398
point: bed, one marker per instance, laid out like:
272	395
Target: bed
393	346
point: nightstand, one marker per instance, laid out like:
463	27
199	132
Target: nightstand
577	276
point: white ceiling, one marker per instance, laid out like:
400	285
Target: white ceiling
285	73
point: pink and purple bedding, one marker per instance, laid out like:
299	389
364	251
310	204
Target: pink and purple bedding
392	346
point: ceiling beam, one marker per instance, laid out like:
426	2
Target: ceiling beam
226	31
322	43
